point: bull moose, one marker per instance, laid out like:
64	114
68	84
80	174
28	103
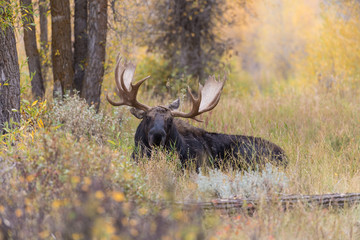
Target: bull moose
161	127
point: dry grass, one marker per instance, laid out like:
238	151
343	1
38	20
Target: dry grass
299	223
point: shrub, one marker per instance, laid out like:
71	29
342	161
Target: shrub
246	184
74	115
46	177
58	183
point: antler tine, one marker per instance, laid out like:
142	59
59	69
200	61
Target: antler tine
113	102
208	98
138	84
118	74
118	85
127	91
195	102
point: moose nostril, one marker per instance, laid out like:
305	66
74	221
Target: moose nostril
157	138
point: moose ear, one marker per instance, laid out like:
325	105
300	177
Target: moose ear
137	113
174	105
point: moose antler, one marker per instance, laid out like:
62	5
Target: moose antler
208	98
126	90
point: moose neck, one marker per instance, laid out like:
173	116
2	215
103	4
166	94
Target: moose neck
175	141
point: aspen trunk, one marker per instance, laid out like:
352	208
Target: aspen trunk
81	42
94	73
32	53
9	71
61	50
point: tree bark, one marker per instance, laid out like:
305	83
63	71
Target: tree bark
37	82
81	42
43	8
9	69
61	50
94	73
44	39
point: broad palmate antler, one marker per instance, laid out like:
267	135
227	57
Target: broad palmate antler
208	98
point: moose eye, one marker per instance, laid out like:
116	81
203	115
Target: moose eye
169	121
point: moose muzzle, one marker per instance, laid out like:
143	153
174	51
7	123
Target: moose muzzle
157	137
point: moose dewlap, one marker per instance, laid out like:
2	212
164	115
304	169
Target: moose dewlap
161	127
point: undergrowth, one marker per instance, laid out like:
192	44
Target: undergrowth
74	115
66	178
61	179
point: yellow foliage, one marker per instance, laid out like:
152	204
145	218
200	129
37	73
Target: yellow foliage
118	196
18	212
30	178
44	234
333	53
2	209
273	36
34	103
103	228
77	236
75	179
99	195
56	204
87	181
143	211
40	123
307	42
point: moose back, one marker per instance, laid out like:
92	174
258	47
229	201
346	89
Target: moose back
161	127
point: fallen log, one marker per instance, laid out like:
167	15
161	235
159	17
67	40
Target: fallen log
335	200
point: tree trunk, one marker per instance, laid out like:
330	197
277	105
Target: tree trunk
81	42
97	28
37	82
43	8
61	50
9	69
44	40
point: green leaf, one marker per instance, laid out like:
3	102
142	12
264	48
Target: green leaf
112	142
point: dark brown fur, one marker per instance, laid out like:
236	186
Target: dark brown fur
159	128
